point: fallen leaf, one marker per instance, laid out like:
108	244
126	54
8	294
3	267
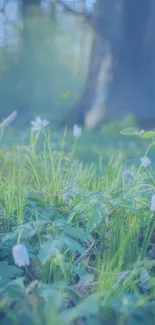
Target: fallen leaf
64	95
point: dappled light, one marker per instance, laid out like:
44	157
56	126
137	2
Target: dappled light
77	162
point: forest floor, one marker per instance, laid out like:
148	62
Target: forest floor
81	213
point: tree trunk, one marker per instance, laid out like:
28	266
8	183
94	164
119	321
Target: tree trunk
77	115
128	30
90	86
132	88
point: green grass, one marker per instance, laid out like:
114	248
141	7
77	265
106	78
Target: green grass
82	220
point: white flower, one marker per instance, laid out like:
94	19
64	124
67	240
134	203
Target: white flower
76	131
126	172
145	161
153	203
142	132
20	255
38	124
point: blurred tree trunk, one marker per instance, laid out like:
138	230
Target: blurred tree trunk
90	86
127	30
77	115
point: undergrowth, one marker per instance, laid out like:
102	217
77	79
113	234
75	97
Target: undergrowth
88	229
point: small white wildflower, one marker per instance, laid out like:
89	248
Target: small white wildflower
20	255
126	172
145	161
153	203
76	131
142	132
38	124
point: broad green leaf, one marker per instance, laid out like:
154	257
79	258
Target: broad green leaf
8	272
130	131
73	245
86	205
52	247
99	213
47	291
80	271
49	249
126	204
15	289
77	233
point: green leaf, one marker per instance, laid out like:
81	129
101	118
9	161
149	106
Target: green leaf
87	204
130	131
47	291
80	271
64	95
73	245
148	135
77	233
8	272
51	247
126	204
15	289
99	212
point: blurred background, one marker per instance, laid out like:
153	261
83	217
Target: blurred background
78	61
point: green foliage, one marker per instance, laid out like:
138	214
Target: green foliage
148	135
51	248
88	230
8	272
130	131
